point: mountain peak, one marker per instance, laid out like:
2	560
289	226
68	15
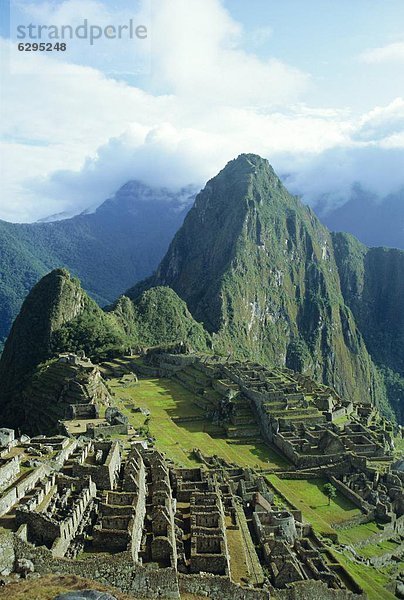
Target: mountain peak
55	300
247	168
257	268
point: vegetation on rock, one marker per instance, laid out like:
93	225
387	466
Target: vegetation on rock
109	249
258	269
58	316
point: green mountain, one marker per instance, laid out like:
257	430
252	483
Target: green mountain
109	249
251	272
258	268
58	316
372	282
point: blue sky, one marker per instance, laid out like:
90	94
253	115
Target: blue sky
325	37
316	86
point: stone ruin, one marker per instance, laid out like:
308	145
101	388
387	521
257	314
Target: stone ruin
133	519
56	513
153	528
68	387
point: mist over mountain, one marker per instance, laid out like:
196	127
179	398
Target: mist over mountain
119	243
373	220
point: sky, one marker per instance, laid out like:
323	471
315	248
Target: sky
315	86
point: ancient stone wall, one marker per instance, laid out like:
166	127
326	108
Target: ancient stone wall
9	469
314	590
7	554
116	570
64	453
49	529
218	588
106	430
104	475
351	495
19	490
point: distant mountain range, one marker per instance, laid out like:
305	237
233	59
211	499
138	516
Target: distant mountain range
374	221
251	273
109	249
123	240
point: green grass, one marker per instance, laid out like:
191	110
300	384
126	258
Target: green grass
166	400
308	496
399	447
358	533
371	580
371	550
341	420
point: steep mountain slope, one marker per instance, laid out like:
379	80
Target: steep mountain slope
373	221
372	282
258	269
121	242
59	316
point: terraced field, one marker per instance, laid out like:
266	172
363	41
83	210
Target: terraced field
179	425
308	496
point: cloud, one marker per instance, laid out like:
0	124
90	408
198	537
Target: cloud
71	112
324	154
75	111
83	134
331	175
109	55
175	156
200	55
382	122
259	36
384	54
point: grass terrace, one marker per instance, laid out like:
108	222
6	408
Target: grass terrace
370	579
179	425
308	496
372	550
358	533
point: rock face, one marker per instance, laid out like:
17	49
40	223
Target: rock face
258	269
372	282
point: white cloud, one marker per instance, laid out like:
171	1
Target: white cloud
382	122
332	173
199	55
176	156
72	135
109	55
56	116
259	36
384	54
372	155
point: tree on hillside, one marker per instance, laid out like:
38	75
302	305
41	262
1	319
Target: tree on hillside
330	491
